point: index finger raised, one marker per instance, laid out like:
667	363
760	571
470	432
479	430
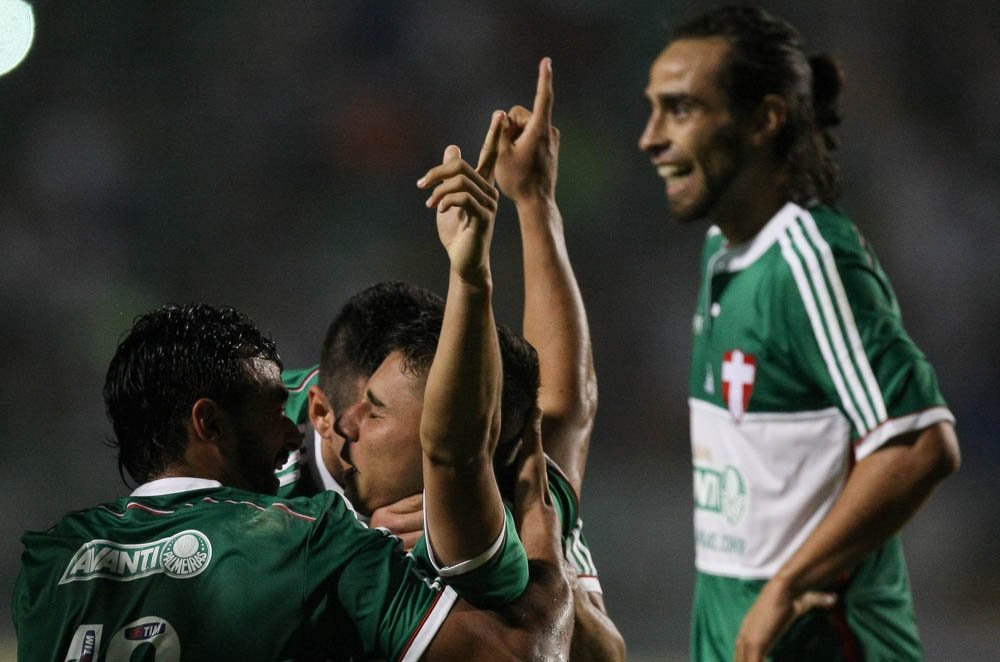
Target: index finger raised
542	109
491	148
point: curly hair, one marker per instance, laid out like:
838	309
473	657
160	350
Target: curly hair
169	359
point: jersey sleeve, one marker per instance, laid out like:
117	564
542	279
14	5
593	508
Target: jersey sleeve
849	321
298	382
362	573
297	409
491	580
575	547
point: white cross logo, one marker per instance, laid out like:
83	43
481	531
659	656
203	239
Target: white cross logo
738	373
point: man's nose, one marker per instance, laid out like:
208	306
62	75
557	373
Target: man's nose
652	135
346	424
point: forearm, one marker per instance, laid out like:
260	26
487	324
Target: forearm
595	637
459	426
883	491
555	323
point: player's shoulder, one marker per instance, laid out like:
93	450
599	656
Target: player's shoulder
298	381
833	227
304	508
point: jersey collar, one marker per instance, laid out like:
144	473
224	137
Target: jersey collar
741	257
162	486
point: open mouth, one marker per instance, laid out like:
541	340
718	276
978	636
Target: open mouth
672	172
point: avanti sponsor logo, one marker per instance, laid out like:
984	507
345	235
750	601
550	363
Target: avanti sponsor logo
182	555
723	492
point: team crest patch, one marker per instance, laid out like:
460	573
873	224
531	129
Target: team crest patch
180	556
739	371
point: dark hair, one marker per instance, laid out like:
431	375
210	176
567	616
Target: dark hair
168	360
355	340
417	341
767	57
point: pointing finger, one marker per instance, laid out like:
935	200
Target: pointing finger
542	110
491	147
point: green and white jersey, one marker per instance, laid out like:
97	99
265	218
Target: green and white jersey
304	474
801	366
297	408
187	569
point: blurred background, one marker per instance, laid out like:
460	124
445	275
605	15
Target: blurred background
263	155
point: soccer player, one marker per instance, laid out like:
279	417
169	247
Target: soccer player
394	316
199	563
817	426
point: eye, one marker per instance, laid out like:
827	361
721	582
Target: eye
683	109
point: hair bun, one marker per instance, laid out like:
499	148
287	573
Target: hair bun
827	82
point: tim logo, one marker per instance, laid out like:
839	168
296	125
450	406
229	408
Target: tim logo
146	631
739	371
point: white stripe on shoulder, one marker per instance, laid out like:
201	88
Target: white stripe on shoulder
831	322
857	348
802	281
429	627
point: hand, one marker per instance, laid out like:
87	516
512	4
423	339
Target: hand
466	202
770	617
529	146
404	519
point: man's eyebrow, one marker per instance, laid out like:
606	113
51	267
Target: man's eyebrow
673	98
374	400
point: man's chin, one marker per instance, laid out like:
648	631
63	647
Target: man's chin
685	214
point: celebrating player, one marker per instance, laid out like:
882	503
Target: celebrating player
197	564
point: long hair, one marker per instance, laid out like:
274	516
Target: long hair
767	57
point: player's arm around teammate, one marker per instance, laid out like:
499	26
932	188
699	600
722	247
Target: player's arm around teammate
555	323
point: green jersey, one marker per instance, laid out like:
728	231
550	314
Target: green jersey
305	474
187	569
800	368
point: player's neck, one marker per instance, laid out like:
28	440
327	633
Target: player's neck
748	209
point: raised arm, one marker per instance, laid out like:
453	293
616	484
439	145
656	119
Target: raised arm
555	321
461	412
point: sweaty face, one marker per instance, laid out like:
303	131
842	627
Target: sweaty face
264	435
691	136
384	460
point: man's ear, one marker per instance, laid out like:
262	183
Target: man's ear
768	120
321	413
206	421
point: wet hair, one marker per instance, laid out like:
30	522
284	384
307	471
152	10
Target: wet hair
767	57
170	359
355	340
417	340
